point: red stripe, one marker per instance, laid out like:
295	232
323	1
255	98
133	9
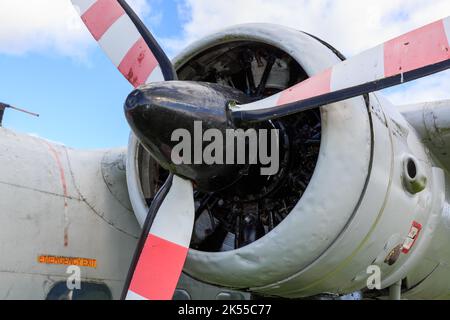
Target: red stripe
101	16
138	63
416	49
309	88
159	268
60	167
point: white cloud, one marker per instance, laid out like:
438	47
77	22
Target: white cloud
351	26
46	26
435	87
43	26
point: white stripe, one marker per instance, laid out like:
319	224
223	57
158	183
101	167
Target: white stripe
134	296
83	5
155	76
447	28
365	67
119	39
175	219
269	102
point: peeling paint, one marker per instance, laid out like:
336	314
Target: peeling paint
113	167
90	206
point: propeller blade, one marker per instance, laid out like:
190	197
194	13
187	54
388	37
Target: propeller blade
126	41
164	244
409	57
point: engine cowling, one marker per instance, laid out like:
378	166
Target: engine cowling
370	183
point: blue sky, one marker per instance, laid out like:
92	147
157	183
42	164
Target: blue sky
79	101
56	70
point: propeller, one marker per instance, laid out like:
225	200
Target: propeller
155	110
161	104
414	55
163	245
125	40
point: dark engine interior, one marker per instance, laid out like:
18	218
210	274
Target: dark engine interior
243	213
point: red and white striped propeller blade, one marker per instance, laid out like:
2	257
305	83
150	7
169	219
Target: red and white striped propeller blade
411	56
164	244
126	41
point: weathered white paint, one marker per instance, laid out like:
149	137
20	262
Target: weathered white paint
99	219
365	67
447	28
325	245
119	39
431	120
97	223
332	236
175	219
155	76
83	5
264	260
269	102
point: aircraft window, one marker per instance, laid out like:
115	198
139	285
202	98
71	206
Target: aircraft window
88	291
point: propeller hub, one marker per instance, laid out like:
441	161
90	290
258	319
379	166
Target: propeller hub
162	114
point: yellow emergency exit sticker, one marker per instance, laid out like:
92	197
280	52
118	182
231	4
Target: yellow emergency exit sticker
68	261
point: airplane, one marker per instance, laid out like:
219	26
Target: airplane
362	184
